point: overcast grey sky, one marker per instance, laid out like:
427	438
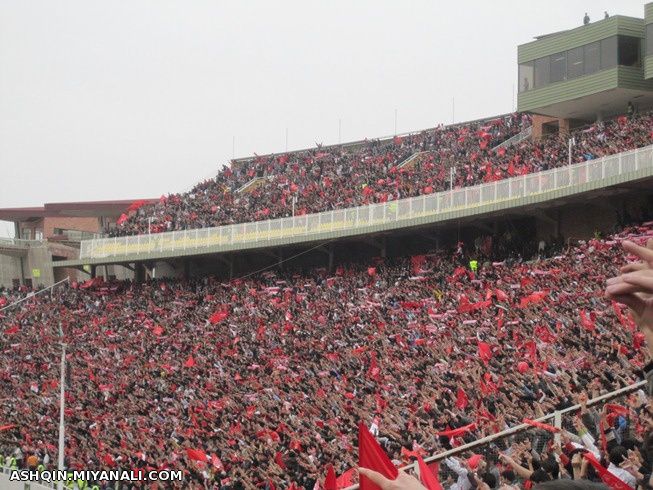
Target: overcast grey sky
134	98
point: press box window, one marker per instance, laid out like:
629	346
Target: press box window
541	72
609	52
526	73
558	69
592	58
575	64
628	51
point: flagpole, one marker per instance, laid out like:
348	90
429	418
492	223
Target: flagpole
62	396
453	110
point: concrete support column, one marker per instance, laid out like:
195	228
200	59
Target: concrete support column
139	272
330	258
186	274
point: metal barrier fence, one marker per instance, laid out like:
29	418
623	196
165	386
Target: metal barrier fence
486	446
540	439
350	219
40	291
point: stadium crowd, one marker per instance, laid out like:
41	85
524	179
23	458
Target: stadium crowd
338	177
261	382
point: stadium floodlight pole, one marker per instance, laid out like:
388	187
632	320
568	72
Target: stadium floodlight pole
62	397
453	110
294	201
149	224
452	171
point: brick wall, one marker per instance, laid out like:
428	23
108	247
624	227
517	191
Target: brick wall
91	225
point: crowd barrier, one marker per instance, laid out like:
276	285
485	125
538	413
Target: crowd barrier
36	293
485	446
540	439
393	212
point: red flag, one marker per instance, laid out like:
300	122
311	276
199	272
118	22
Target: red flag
608	478
371	456
531	351
190	362
7	427
540	425
617	409
279	460
586	321
218	316
501	296
108	460
330	480
122	219
473	461
346	479
484	352
416	262
461	399
457	432
371	271
427	476
136	205
217	463
374	370
197	455
12	330
626	322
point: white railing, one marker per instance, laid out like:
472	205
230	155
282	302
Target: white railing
411	159
394	213
248	184
526	133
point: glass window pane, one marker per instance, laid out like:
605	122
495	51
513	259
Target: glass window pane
609	52
575	63
649	40
628	51
525	76
592	57
558	70
542	72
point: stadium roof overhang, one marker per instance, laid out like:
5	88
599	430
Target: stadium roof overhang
85	209
605	103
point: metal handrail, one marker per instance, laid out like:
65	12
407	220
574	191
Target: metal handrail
15	303
519	137
522	427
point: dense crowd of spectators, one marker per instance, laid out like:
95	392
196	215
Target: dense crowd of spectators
266	378
337	177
